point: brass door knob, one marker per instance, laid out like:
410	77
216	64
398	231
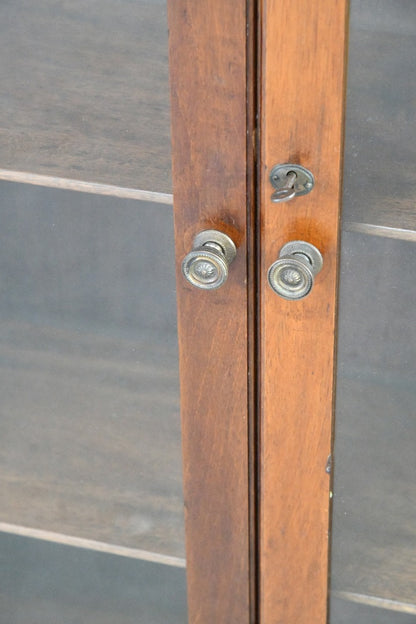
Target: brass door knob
206	266
292	275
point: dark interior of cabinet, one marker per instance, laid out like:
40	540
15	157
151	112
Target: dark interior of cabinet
87	94
373	532
380	147
89	375
53	583
90	426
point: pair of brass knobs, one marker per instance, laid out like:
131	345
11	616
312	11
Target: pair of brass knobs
291	276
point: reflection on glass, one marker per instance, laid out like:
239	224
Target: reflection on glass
374	524
374	517
86	91
50	583
89	421
380	141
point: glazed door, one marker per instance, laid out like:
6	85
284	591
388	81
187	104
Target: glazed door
373	571
96	463
91	523
361	557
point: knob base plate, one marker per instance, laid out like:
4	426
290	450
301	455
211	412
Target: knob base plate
292	275
302	248
221	239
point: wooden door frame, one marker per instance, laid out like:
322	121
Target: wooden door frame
303	58
257	538
212	87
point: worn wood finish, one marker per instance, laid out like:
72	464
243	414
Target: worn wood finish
86	91
301	122
208	78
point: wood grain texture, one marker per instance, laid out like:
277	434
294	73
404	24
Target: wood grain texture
301	122
86	91
208	78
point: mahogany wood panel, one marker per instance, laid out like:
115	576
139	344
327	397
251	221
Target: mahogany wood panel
209	119
303	50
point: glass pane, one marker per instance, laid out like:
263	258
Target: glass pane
91	521
374	512
55	584
380	147
86	91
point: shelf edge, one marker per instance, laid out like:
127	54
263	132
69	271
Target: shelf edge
85	187
88	544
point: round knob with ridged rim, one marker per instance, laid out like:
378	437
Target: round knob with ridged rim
292	275
206	266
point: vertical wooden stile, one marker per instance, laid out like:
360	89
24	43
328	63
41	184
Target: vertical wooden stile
208	61
302	100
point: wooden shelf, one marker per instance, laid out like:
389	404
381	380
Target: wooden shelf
86	92
86	98
346	608
91	436
374	524
374	513
50	583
